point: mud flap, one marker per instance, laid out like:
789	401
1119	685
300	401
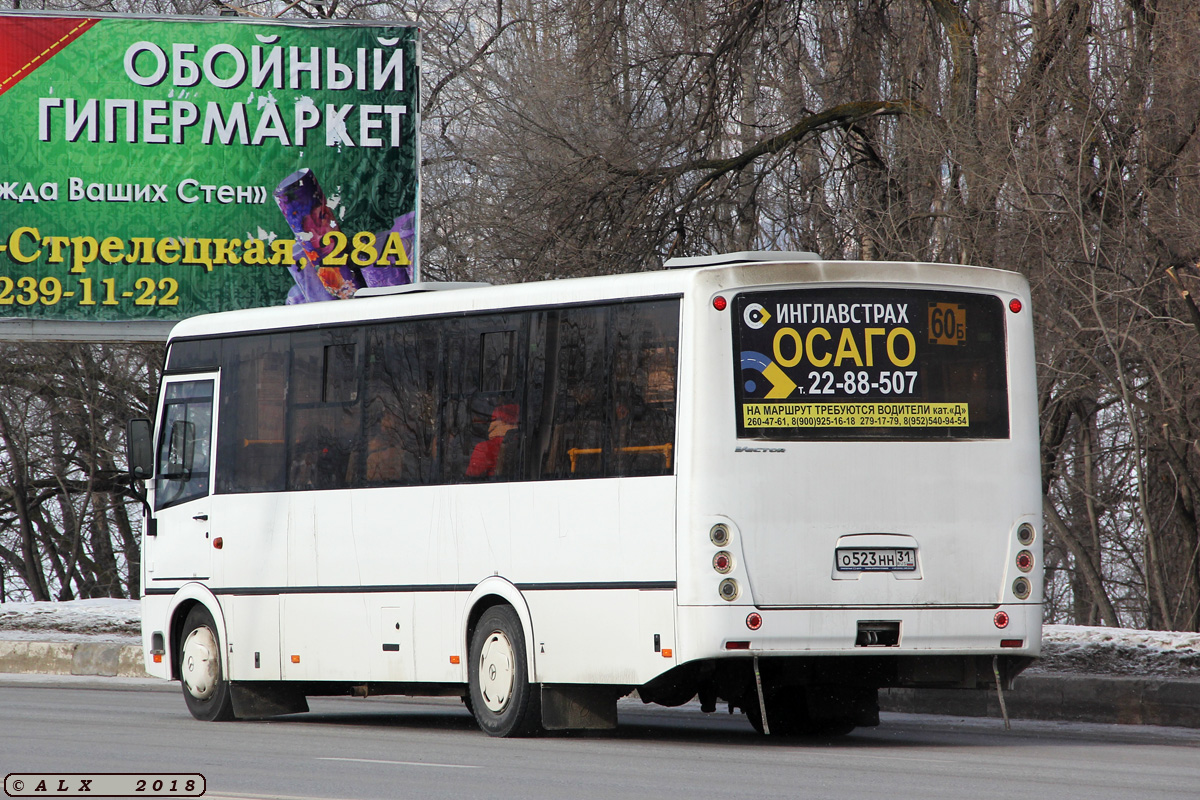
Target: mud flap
263	699
579	707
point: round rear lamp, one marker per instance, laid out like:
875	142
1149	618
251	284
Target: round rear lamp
1024	561
1001	619
719	535
729	589
1015	306
723	562
719	303
1021	588
1025	534
754	620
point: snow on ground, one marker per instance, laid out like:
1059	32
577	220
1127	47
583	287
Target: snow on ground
1065	648
1119	651
106	617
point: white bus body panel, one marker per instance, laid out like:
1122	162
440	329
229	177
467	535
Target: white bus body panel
418	554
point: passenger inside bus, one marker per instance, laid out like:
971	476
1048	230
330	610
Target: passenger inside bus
487	455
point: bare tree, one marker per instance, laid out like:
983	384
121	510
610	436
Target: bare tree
65	527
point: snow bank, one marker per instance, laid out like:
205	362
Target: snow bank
102	616
1119	651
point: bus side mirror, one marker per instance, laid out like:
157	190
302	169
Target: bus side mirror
140	449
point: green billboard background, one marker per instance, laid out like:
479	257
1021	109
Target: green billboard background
100	231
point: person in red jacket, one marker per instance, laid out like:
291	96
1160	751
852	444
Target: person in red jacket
486	455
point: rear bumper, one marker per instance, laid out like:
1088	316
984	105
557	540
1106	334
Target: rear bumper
706	632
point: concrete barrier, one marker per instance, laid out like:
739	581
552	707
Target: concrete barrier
72	658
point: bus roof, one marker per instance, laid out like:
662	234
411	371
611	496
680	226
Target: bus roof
741	257
712	274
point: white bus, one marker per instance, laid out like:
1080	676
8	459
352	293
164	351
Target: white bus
762	478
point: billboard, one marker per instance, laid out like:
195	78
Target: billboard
153	169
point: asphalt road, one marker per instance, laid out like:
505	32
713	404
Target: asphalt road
406	748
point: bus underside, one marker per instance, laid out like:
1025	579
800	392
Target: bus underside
821	694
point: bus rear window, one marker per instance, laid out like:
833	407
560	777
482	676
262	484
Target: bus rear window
870	363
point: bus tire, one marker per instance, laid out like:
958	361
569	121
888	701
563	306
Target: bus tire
502	699
205	689
788	714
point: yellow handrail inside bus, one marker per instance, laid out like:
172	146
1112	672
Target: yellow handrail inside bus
664	449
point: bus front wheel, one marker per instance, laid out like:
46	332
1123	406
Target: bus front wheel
502	699
205	689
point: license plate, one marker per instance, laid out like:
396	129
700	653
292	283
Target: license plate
876	559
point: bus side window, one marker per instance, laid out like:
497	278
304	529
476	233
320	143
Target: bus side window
251	440
325	411
401	424
571	387
644	345
498	457
455	415
482	406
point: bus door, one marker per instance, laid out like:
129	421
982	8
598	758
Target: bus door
182	548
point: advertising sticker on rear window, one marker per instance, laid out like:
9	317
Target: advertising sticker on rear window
870	363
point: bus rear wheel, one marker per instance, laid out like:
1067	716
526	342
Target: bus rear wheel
502	699
789	714
205	689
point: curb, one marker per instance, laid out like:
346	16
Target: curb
1120	700
104	659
